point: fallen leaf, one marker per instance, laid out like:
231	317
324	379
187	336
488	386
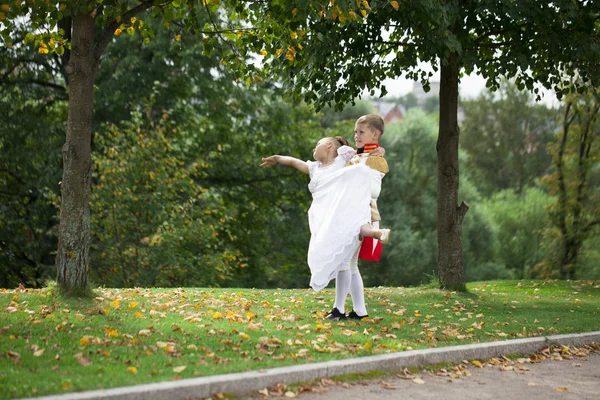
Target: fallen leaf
114	304
38	353
387	385
532	384
133	304
133	370
562	389
82	360
477	364
419	381
291	395
179	369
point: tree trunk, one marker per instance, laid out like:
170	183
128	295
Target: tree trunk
449	215
74	231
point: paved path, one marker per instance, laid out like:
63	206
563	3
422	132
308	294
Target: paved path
578	378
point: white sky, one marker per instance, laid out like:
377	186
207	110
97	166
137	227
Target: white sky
470	87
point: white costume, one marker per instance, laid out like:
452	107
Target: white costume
348	278
340	206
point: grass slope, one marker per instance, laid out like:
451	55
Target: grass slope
51	345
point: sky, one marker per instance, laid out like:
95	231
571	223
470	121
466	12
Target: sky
470	87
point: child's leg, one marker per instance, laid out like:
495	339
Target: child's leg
342	287
357	292
367	230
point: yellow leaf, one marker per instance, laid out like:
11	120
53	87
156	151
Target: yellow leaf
290	394
66	385
363	12
111	332
84	341
368	345
179	369
419	381
294	12
118	32
395	5
38	353
133	304
139	315
114	304
244	335
133	19
43	50
178	38
418	313
133	370
217	315
562	389
263	52
293	35
477	364
279	51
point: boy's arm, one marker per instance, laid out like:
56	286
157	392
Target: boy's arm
380	151
285	160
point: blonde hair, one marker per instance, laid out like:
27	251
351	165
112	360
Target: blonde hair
373	121
338	141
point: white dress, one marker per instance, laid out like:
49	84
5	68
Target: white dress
340	206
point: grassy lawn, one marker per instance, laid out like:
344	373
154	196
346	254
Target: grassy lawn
51	345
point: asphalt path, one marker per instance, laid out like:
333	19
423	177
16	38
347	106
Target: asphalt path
575	378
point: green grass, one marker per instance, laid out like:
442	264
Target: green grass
133	336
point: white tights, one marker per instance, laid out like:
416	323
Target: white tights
346	282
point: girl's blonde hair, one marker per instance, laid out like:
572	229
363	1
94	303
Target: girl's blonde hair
338	141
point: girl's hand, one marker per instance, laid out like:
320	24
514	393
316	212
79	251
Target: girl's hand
380	151
269	161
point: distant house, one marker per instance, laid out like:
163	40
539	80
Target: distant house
390	112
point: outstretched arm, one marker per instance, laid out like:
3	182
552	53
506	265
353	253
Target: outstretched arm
285	160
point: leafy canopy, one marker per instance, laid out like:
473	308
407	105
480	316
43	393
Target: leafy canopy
330	51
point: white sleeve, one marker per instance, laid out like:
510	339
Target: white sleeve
311	167
346	153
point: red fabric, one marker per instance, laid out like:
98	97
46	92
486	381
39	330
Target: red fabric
366	251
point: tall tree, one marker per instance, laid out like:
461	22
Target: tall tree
77	33
331	51
575	215
505	135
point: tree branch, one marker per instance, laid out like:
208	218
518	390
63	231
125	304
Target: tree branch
108	33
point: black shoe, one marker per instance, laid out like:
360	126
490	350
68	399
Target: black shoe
335	315
354	315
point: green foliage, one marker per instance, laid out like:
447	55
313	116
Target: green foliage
350	113
574	215
518	221
152	224
505	136
31	134
332	53
407	205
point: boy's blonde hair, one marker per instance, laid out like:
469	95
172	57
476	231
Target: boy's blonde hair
373	121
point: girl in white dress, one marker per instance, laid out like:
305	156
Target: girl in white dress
340	210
